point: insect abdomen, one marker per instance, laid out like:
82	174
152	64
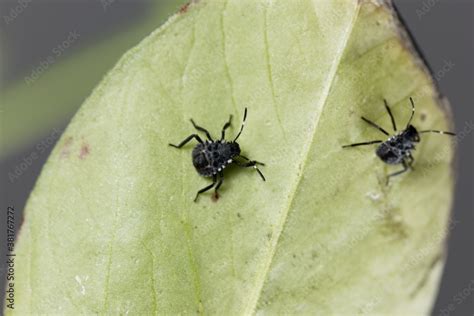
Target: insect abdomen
389	154
201	161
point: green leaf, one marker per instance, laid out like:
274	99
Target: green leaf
111	226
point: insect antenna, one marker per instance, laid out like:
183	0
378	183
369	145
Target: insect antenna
375	125
243	124
391	115
412	111
363	144
439	132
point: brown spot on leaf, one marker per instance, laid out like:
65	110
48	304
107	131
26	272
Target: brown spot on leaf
422	116
68	141
215	197
184	8
85	150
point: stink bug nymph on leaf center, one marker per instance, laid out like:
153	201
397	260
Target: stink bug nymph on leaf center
397	148
211	157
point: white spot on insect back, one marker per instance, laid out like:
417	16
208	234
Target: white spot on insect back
229	161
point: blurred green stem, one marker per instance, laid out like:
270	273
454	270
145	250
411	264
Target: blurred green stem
31	110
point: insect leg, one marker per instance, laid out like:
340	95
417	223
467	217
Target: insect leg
375	125
256	162
411	161
365	143
221	179
405	169
214	179
187	140
202	129
250	163
391	115
226	125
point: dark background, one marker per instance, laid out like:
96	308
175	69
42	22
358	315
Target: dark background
442	30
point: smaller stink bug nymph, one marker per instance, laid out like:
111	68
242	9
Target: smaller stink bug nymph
211	157
397	148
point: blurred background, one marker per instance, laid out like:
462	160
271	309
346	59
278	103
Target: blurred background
53	53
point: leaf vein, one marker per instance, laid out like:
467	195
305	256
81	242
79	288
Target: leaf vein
153	281
109	263
190	253
270	72
254	297
226	65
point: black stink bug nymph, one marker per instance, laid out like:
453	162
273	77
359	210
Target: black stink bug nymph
210	157
397	148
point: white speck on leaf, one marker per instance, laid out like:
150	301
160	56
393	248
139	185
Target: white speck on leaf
83	289
374	196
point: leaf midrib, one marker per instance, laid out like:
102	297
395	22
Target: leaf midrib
254	296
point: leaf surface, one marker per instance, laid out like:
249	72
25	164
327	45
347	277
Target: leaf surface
111	226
